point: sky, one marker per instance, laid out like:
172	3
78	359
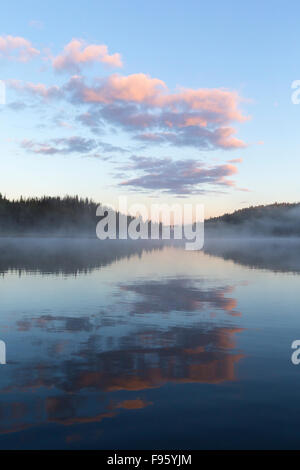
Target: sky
168	102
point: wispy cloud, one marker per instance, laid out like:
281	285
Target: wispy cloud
77	53
67	145
177	176
36	89
236	160
144	106
17	48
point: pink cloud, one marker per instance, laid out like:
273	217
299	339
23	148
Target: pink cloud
217	103
225	139
207	104
199	118
76	54
17	48
36	89
138	88
139	101
74	144
177	176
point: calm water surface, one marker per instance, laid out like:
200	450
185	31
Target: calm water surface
124	347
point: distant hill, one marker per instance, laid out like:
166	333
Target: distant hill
48	216
76	217
279	219
69	216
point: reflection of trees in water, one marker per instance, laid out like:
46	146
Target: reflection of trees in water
273	254
67	256
75	386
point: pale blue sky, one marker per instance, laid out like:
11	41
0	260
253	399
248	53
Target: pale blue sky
247	48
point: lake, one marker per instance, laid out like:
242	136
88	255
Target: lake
114	345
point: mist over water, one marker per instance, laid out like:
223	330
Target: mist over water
275	254
276	220
67	255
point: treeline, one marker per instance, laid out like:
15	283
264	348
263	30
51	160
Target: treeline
72	216
48	216
278	219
